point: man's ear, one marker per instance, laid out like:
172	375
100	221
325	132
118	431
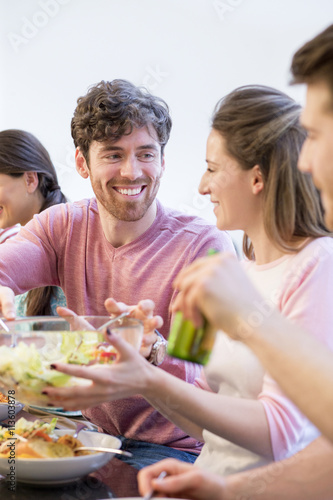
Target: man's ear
31	181
163	165
81	164
257	180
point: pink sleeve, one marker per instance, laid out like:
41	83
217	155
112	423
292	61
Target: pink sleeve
306	299
30	257
201	382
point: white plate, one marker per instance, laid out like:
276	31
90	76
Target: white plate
4	410
48	471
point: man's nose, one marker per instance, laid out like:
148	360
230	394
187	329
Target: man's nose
304	159
131	168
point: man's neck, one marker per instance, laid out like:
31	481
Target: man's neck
119	232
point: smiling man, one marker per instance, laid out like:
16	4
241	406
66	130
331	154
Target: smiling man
122	244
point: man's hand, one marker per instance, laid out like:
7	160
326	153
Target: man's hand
182	481
143	311
7	302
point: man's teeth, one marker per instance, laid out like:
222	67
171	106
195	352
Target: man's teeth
129	192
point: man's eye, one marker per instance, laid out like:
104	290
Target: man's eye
147	156
113	157
210	170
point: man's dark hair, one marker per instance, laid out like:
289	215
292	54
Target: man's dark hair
314	61
111	110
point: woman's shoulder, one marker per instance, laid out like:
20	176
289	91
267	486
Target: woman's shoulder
313	263
316	250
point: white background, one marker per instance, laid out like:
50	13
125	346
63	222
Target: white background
189	52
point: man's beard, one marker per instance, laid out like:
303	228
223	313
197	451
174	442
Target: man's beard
127	210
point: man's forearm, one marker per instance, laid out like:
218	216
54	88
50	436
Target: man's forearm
307	475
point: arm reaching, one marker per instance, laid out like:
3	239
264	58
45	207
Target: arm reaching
305	476
180	402
183	480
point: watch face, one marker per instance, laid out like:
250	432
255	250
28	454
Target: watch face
160	353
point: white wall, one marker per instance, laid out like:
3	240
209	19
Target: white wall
189	52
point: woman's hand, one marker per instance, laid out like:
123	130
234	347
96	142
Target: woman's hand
127	376
143	311
217	287
182	481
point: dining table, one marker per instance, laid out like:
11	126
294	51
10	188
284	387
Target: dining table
116	479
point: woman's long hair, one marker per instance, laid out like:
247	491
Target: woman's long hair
261	127
22	152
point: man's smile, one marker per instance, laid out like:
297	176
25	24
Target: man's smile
133	191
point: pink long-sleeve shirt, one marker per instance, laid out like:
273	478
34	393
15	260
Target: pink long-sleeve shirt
65	246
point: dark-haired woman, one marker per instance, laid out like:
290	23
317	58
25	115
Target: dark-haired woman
28	185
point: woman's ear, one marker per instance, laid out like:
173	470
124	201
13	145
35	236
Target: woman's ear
31	181
81	164
257	180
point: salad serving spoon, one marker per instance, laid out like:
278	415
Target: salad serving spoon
5	327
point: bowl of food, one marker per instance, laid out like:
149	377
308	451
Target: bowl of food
9	406
29	346
43	455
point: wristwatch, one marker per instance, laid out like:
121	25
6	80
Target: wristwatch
158	350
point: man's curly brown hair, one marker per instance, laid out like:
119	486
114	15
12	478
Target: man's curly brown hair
112	109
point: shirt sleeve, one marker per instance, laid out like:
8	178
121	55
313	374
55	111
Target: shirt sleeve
306	300
30	259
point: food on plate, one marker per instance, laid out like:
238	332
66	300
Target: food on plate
3	398
36	440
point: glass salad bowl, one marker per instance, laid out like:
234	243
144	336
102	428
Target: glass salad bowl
28	346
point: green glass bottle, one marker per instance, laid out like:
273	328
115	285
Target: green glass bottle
188	342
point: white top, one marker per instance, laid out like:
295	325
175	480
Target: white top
301	286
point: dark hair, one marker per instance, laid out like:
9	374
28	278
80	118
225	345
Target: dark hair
22	152
112	109
261	127
314	61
